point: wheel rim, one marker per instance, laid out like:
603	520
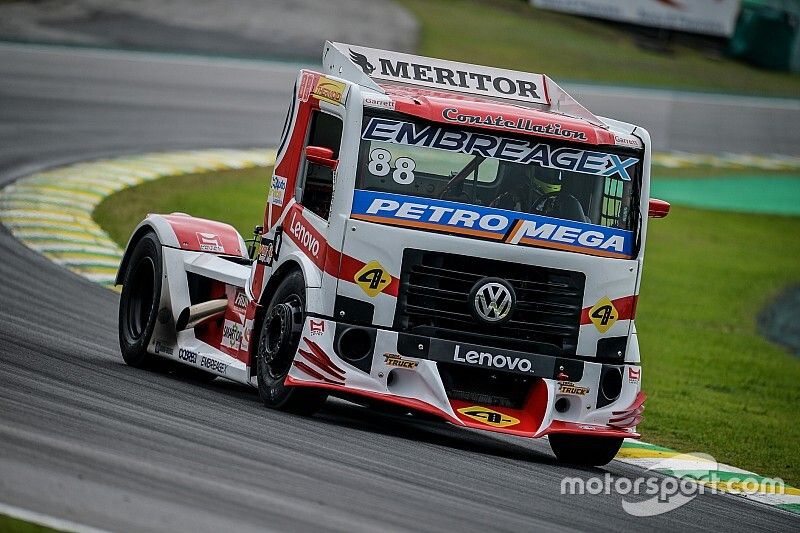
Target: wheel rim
282	329
141	300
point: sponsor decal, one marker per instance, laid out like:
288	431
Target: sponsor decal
317	327
634	374
187	355
396	360
163	348
524	125
240	301
488	416
232	333
633	142
362	61
603	314
490	223
379	102
329	90
307	83
248	333
372	278
267	252
488	359
209	242
523	151
277	190
447	75
568	387
213	364
304	237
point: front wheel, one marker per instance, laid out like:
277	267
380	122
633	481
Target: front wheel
584	450
138	303
277	346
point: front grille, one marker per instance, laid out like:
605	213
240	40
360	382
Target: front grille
434	301
484	387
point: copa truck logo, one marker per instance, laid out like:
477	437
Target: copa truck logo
489	223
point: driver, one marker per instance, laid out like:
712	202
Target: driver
552	200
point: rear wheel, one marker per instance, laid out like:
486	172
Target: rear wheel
277	345
584	450
138	303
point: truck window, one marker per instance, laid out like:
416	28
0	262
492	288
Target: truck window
594	185
317	181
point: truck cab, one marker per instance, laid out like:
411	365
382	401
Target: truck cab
457	240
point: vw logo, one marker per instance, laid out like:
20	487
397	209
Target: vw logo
492	300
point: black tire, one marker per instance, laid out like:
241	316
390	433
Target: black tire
139	301
584	450
277	345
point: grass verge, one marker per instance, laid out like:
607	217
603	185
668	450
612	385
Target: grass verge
14	525
714	384
513	34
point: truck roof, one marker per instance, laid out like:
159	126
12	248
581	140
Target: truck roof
471	95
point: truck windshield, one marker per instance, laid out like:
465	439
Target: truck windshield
546	180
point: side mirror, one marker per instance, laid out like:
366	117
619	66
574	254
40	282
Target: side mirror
657	208
321	156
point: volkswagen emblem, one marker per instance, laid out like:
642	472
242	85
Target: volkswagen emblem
492	300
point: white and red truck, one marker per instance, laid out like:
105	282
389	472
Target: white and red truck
456	240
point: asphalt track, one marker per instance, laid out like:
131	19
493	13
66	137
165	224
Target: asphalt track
87	439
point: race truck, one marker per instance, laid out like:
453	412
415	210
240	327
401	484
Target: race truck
444	239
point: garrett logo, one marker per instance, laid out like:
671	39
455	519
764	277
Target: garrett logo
490	417
603	315
373	278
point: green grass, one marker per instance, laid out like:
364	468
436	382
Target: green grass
236	197
513	34
13	525
714	384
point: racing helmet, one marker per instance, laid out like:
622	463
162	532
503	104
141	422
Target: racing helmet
547	180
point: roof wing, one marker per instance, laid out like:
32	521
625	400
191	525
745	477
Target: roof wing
368	66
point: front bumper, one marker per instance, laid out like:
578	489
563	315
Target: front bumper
561	395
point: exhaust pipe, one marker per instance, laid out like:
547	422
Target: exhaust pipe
196	314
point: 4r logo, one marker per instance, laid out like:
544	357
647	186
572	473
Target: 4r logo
603	315
490	417
373	278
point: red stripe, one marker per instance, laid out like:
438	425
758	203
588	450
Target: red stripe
321	364
313	373
320	353
637	402
626	307
573	428
411	403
